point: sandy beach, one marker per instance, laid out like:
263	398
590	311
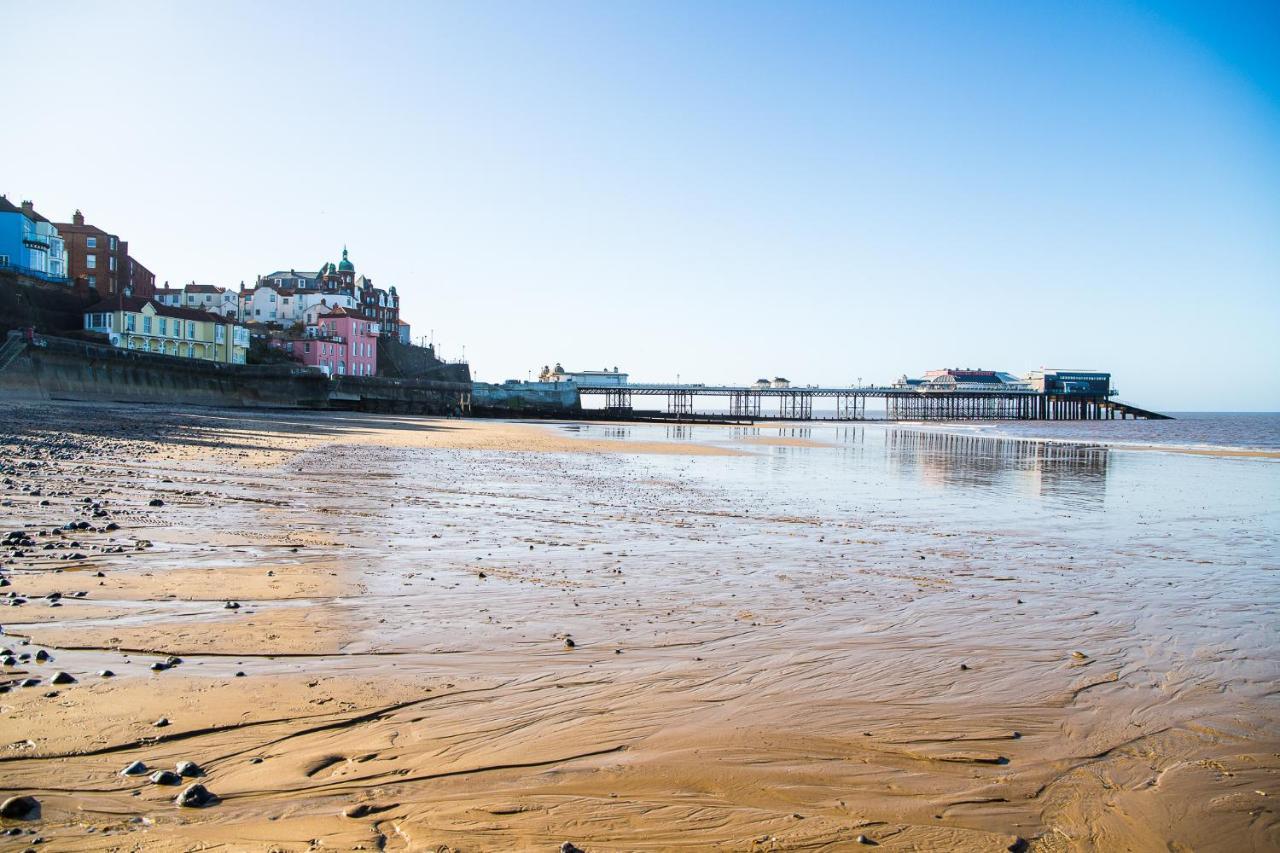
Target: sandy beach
380	633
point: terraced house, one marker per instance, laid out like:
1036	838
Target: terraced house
146	325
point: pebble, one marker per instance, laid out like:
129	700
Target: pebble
165	777
1079	656
159	666
106	673
135	768
29	682
161	723
570	847
62	678
569	643
155	502
194	797
189	768
42	655
862	839
231	605
19	808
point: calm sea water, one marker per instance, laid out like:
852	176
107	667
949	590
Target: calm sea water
1193	430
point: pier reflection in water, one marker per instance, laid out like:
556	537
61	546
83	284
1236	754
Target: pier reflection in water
1047	469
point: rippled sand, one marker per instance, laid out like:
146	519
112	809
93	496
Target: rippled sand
781	640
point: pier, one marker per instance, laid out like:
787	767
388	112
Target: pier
749	403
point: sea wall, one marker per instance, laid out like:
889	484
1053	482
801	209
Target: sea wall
62	369
525	399
51	368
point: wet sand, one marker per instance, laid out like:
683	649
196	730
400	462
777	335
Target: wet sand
747	671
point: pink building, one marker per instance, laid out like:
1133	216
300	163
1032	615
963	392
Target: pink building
339	342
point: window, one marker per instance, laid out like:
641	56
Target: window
129	321
191	330
113	244
91	242
146	324
164	326
93	280
306	346
111	263
91	261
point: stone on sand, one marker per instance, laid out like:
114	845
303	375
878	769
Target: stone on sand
19	808
194	797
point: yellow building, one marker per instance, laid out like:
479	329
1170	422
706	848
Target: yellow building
146	325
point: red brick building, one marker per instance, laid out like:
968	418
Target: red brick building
102	260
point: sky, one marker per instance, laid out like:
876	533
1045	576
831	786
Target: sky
718	191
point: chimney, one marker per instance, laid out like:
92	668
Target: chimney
27	207
77	218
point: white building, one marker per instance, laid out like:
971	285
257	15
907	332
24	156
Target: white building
201	297
269	303
588	378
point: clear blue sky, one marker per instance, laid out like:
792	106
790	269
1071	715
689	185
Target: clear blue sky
720	190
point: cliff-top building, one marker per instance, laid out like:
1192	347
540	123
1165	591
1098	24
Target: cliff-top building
337	341
285	297
102	259
29	243
202	297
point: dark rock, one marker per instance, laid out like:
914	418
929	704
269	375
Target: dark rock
106	673
570	847
189	768
62	678
231	605
194	797
42	655
165	777
155	502
135	768
356	810
159	666
569	643
20	808
161	723
29	682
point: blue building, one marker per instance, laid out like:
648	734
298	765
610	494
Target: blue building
30	244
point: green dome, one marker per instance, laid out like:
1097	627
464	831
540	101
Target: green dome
346	265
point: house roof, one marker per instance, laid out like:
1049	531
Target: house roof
136	304
7	206
204	288
291	274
